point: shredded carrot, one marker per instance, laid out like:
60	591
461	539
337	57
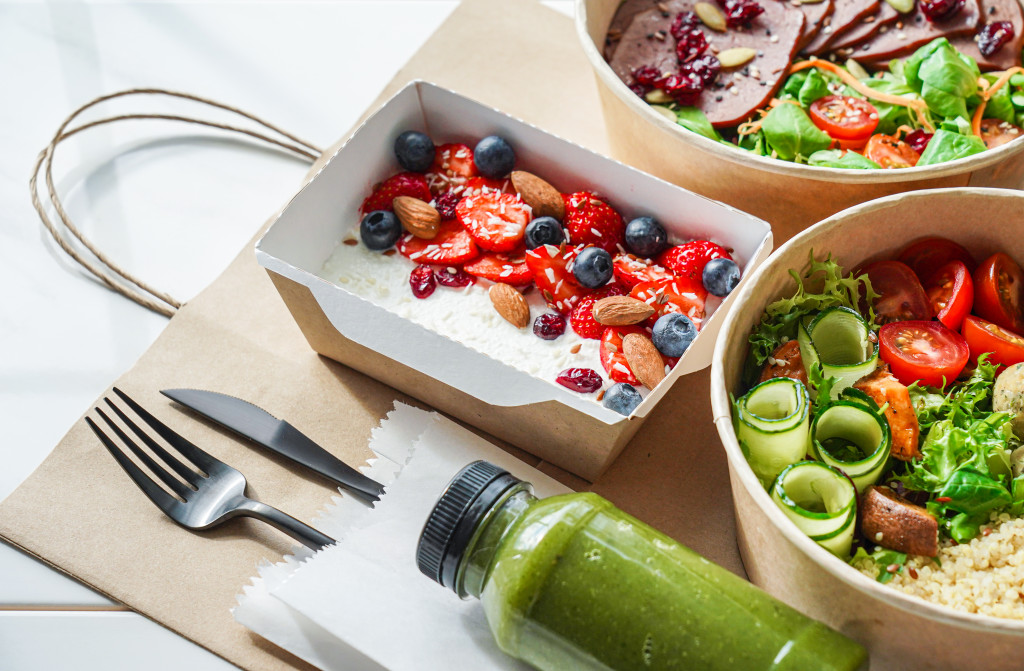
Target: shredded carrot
986	95
976	119
919	106
1001	81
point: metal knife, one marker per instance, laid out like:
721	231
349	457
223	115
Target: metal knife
277	435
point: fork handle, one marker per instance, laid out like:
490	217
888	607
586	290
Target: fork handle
300	531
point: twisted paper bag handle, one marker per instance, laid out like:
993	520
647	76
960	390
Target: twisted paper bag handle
99	264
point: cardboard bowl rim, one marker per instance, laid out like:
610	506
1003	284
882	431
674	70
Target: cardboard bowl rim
739	156
722	412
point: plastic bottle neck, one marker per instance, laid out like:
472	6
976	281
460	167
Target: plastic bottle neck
475	563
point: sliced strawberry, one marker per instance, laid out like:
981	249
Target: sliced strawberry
631	270
590	221
612	357
670	296
687	261
497	221
453	166
507	267
552	272
478	185
582	317
452	246
403	184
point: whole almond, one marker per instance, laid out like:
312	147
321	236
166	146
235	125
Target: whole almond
710	16
544	199
510	304
418	217
621	311
644	359
735	57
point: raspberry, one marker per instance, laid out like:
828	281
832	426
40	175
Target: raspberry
445	204
421	279
584	380
993	36
549	326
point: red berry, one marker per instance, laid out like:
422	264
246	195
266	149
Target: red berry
918	140
671	295
421	279
687	261
631	270
551	268
690	44
451	246
453	277
940	10
496	221
403	184
646	75
453	166
549	326
445	205
507	267
584	380
590	221
683	23
993	36
478	185
612	357
740	13
582	317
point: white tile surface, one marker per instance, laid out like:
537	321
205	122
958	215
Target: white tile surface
144	190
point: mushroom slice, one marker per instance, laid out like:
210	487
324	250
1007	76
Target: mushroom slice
895	523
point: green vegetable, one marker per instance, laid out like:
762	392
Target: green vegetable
791	133
944	77
883	559
814	86
1000	106
964	403
890	117
754	142
947	146
791	89
821	285
840	158
692	119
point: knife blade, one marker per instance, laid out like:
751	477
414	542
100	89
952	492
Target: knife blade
258	425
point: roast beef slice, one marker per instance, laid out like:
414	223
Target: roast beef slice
868	27
739	91
914	30
1007	56
848	13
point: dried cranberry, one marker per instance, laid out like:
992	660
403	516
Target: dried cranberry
453	277
549	326
993	36
445	204
646	75
940	10
640	89
421	279
684	87
585	380
706	67
683	23
918	140
691	44
741	12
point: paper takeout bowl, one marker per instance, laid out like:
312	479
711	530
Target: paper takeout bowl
787	195
900	631
545	419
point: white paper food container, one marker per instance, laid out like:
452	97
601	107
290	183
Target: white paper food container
545	419
787	195
900	631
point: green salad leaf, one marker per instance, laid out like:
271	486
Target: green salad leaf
692	119
753	142
948	146
890	117
1000	104
964	403
791	134
840	158
813	87
943	77
883	559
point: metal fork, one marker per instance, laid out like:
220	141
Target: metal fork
204	499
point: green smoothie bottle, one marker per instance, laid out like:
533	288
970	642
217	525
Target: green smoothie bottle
571	582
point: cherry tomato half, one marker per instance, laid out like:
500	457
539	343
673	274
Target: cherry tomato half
889	151
999	292
951	292
929	254
900	294
1005	347
996	132
845	117
923	351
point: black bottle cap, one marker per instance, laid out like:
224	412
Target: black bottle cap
450	526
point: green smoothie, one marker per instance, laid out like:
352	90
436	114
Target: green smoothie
571	582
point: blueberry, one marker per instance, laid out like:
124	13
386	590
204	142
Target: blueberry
645	236
380	230
544	231
622	398
415	151
721	276
593	267
494	157
673	333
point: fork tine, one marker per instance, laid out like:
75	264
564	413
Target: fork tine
187	449
162	499
179	488
181	469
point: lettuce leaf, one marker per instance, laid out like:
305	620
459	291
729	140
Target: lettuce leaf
883	559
